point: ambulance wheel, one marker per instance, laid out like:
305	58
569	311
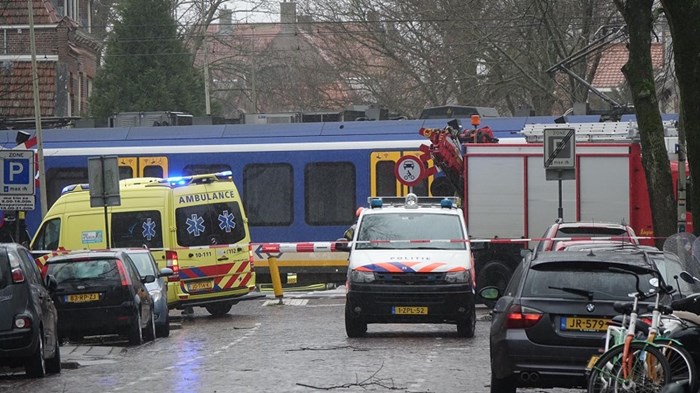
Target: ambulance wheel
218	309
467	326
493	274
354	326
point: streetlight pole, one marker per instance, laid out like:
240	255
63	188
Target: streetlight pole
37	112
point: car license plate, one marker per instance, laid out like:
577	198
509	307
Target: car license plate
403	310
197	286
584	324
82	298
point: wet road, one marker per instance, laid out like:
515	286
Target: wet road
261	346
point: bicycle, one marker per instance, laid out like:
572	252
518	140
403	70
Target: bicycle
630	365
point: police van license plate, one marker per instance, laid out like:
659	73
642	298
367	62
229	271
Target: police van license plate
202	285
403	310
82	298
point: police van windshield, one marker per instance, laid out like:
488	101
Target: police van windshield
209	224
395	231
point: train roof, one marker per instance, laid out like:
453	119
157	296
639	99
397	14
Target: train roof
502	127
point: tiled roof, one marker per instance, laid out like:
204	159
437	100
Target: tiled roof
609	72
16	97
16	12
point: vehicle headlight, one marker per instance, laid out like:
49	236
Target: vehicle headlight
155	294
360	276
461	276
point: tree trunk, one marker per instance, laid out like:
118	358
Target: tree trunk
684	20
640	76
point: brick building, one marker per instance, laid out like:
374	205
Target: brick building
66	57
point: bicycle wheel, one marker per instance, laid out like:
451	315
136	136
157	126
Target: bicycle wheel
681	362
649	370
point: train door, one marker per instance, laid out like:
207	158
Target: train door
130	167
383	182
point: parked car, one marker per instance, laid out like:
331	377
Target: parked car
28	318
146	266
101	293
553	315
560	229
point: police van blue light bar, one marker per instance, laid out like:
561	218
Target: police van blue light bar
375	203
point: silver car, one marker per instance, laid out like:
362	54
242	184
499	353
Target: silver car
146	265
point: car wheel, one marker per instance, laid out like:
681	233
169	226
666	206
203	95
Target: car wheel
505	385
354	326
494	274
135	336
218	309
53	365
163	330
467	326
35	366
150	332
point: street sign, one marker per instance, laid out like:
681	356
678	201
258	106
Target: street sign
409	170
17	172
17	202
103	176
559	148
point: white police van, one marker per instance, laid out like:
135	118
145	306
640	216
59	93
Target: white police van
409	263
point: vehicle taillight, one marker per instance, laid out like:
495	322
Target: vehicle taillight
126	280
22	322
522	317
17	275
250	256
171	262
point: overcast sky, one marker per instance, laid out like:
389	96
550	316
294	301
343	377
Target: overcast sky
262	14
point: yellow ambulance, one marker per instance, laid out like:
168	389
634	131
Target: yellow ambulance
195	225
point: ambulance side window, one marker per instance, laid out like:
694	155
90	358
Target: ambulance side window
137	229
48	236
210	224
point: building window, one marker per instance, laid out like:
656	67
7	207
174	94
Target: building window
329	193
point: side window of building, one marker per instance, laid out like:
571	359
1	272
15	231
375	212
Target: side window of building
48	236
137	229
263	206
329	193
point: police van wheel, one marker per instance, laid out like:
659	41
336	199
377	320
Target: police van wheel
467	326
218	309
354	326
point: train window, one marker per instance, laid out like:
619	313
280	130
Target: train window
126	172
152	171
329	193
386	180
57	178
200	169
137	229
268	194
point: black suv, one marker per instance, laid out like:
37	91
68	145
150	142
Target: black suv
28	318
101	293
553	315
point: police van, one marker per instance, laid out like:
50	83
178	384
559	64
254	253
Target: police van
195	225
409	262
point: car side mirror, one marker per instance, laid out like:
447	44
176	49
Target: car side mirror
50	282
490	293
165	272
342	244
148	279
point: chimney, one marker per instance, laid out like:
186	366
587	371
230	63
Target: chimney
288	16
225	21
305	22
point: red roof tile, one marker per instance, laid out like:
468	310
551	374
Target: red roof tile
16	97
16	12
609	73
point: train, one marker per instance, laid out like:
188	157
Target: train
300	182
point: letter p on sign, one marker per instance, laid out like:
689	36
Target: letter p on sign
16	171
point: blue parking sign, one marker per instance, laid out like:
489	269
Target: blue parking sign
16	172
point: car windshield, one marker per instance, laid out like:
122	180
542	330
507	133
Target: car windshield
84	270
143	263
402	227
576	281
